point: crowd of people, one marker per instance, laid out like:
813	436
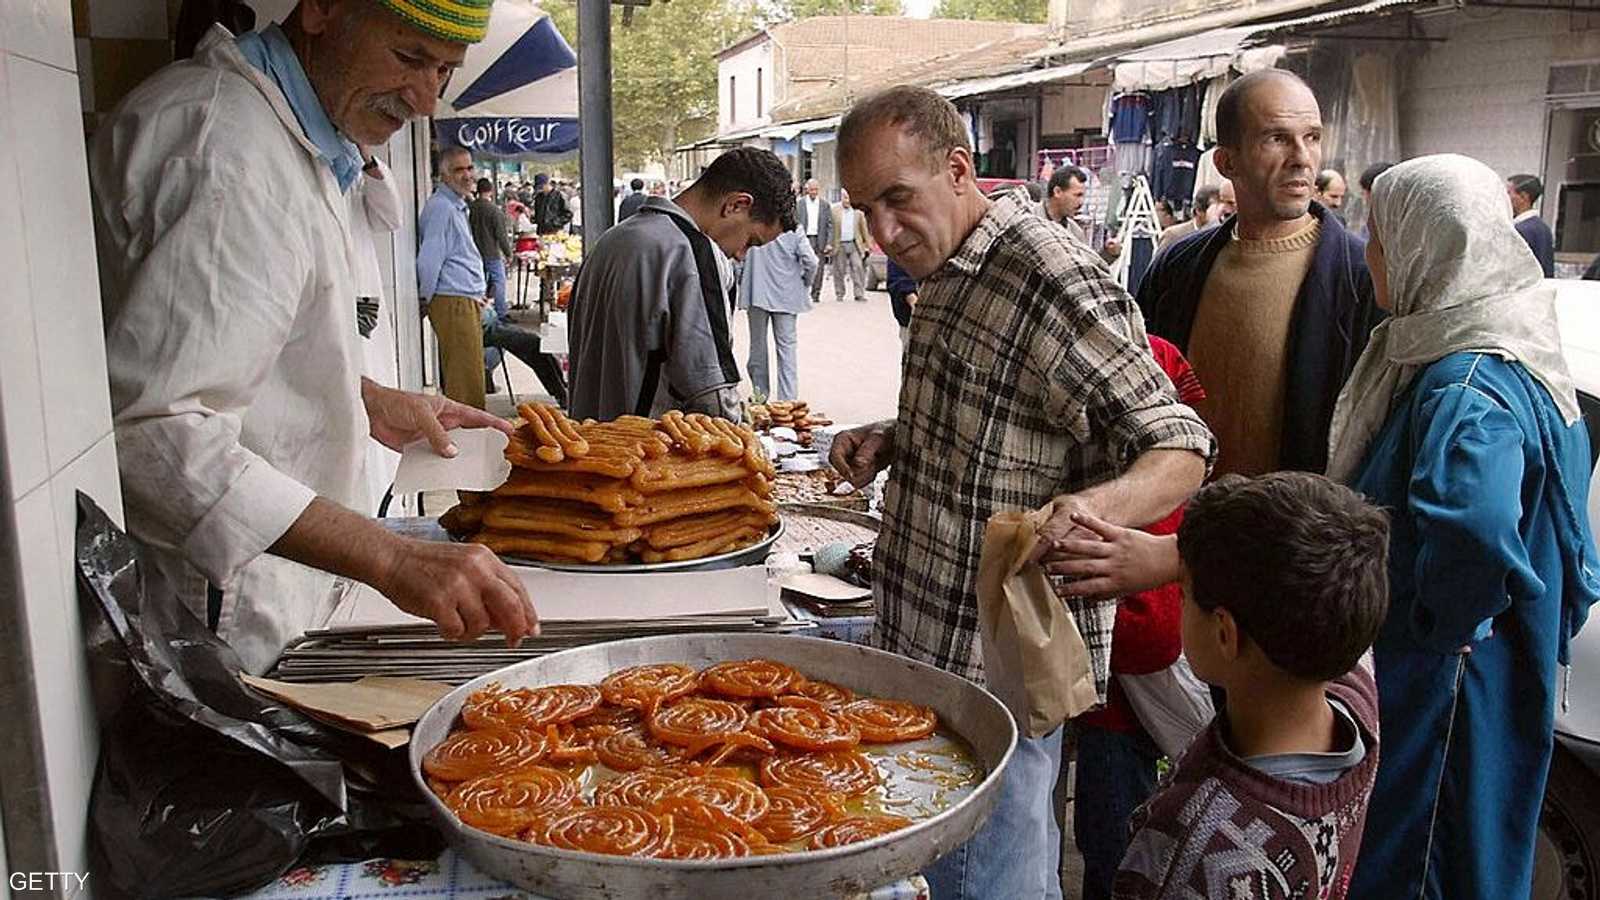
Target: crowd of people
1342	469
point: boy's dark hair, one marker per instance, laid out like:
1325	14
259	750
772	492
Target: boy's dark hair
1299	561
1528	186
759	173
1371	173
1062	178
637	184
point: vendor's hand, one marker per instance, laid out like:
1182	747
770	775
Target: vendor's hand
861	453
400	417
1059	527
1108	560
464	588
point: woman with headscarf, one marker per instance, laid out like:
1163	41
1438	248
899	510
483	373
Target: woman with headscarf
1461	419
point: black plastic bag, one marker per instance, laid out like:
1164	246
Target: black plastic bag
205	787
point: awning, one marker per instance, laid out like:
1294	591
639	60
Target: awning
996	83
517	92
1198	57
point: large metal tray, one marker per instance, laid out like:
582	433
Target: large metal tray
753	555
963	707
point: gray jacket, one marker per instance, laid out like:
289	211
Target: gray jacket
802	214
777	275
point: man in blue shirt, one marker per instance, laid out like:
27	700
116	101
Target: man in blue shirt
1525	191
451	282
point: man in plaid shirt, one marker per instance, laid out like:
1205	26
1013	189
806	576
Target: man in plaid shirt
1027	380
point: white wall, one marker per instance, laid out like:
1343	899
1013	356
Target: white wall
1481	92
745	67
52	385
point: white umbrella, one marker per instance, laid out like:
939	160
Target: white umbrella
517	92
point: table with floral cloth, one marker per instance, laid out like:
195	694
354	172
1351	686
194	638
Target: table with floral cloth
447	878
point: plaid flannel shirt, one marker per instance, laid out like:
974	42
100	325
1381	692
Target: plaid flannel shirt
1028	376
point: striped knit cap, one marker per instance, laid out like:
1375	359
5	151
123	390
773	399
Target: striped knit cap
463	21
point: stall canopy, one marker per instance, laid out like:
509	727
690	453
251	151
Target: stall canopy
516	95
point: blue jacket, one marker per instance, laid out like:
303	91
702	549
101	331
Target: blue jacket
900	284
1541	241
1334	313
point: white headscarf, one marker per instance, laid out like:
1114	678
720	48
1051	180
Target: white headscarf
1460	279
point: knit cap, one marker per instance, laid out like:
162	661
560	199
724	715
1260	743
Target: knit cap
463	21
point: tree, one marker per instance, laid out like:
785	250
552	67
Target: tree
784	10
1035	11
663	71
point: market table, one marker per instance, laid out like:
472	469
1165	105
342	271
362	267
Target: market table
450	876
447	878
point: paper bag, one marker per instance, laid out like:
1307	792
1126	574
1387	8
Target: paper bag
1034	659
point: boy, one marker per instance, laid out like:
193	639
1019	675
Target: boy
1285	586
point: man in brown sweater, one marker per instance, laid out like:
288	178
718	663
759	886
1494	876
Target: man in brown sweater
1273	307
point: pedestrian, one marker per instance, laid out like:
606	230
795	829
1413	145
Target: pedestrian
240	411
1525	191
1284	589
491	236
1272	307
774	292
849	248
1204	199
649	314
1064	195
1165	217
1028	380
451	282
1462	419
550	213
1368	176
815	216
632	202
1331	189
902	299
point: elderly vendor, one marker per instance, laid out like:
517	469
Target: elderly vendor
241	416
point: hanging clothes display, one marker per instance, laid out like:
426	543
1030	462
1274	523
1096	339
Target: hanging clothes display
1133	157
1208	108
1130	118
1172	173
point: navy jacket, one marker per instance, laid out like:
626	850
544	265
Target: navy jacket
1541	241
900	284
1334	313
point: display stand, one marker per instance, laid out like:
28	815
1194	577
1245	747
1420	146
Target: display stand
1139	222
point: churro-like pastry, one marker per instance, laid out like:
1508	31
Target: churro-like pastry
617	465
463	519
682	532
552	547
605	493
675	474
561	518
555	429
659	508
726	543
722	442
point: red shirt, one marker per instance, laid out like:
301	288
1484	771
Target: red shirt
1147	636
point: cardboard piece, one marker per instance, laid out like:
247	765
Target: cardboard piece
479	465
370	705
826	588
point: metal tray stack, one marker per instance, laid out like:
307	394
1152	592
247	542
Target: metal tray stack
963	707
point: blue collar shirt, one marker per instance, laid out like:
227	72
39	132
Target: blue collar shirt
270	51
448	261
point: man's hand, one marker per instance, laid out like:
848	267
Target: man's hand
400	417
911	299
1111	561
464	588
1113	249
861	453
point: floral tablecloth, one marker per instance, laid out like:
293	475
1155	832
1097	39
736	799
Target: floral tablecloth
446	878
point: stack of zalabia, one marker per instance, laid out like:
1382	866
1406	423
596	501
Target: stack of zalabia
680	488
743	758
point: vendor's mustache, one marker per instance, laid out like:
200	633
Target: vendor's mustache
393	105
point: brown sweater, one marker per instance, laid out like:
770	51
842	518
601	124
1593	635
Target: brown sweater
1240	345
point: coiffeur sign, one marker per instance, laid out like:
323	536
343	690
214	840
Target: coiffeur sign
508	137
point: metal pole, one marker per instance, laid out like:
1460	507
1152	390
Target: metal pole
594	115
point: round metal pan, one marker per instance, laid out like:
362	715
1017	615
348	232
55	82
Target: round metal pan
963	708
755	554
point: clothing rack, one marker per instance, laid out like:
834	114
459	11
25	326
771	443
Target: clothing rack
1091	159
1139	222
